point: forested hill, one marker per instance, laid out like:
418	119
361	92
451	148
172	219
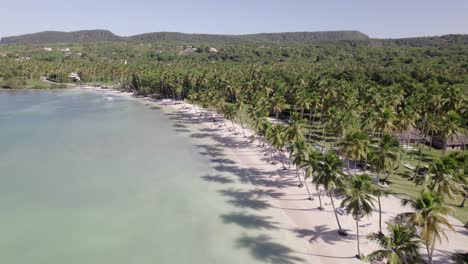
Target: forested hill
104	35
262	37
62	37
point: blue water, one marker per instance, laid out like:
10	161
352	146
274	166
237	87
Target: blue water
88	180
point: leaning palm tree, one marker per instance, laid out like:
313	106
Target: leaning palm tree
329	175
297	152
400	246
359	200
310	163
429	214
445	177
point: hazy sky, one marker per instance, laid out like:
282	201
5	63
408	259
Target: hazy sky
377	18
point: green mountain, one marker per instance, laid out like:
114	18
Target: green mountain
49	37
62	37
104	35
262	37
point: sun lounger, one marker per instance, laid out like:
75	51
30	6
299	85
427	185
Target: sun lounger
409	166
383	185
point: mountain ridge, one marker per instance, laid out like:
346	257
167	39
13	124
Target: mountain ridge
99	35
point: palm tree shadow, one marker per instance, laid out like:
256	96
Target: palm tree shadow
223	161
262	248
245	199
249	221
217	179
323	233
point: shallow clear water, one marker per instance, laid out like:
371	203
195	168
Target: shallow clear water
87	180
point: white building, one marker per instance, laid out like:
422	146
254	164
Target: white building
74	77
48	49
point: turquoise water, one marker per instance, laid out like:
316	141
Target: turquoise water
87	180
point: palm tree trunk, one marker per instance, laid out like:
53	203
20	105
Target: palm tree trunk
233	128
307	187
320	200
298	177
429	256
340	230
242	125
380	214
357	237
323	127
310	124
432	248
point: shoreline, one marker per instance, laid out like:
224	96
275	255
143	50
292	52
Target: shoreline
316	229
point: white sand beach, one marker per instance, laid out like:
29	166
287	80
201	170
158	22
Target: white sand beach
309	232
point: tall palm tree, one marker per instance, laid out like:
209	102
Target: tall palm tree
379	193
329	175
311	163
298	153
385	121
400	246
429	214
451	125
354	146
277	139
295	131
385	155
240	107
359	200
278	104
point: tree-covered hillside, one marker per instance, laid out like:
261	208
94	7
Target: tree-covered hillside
49	37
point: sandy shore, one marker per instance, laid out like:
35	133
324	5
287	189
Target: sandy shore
309	232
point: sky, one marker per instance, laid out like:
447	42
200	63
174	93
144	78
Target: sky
376	18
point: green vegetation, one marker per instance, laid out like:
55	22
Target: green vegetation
18	83
48	37
352	104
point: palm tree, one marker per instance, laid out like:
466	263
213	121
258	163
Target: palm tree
311	163
385	155
451	125
385	121
429	213
329	175
400	246
230	112
379	192
297	153
278	104
359	200
278	140
461	173
405	122
445	177
354	146
240	106
295	131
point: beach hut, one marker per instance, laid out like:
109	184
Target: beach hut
458	141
